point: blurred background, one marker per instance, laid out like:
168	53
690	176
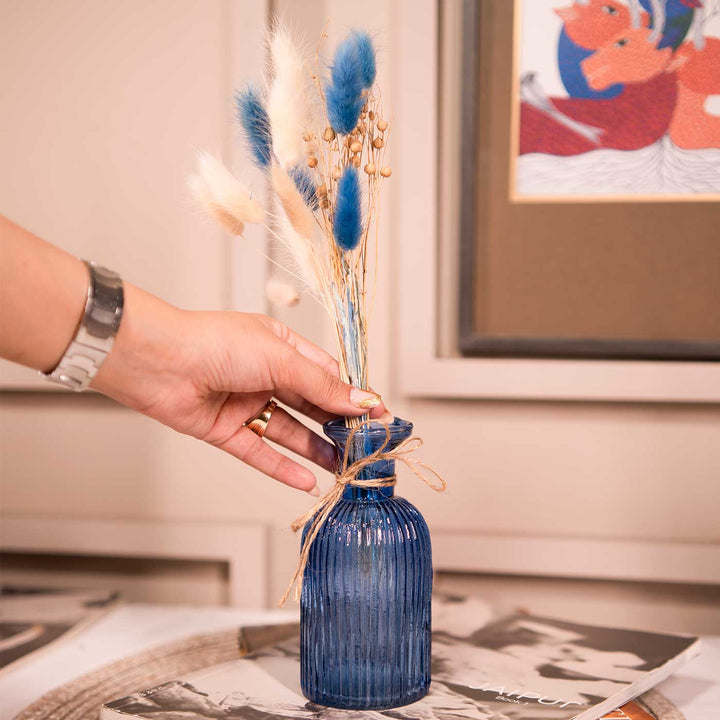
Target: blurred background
579	488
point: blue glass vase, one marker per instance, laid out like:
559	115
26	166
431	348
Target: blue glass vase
365	602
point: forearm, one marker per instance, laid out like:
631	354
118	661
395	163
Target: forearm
42	297
43	290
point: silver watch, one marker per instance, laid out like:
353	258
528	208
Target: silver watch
96	332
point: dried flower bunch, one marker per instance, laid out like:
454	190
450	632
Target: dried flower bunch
320	139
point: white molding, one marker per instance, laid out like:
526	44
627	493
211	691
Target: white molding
244	548
422	373
586	558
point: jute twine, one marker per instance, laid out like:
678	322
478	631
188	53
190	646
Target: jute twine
348	475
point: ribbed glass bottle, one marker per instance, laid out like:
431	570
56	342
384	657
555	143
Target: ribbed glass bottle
365	603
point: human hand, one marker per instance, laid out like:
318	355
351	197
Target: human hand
207	373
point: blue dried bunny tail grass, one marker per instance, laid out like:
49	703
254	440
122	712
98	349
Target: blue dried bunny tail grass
365	57
347	222
255	123
305	185
353	70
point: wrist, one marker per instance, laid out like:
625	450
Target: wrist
146	350
96	331
69	314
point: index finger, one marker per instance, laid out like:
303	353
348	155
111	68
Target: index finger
311	351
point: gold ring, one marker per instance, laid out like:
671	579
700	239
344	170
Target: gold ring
259	423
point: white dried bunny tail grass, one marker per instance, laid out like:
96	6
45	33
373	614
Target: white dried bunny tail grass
289	99
293	203
309	260
300	250
227	191
201	193
281	293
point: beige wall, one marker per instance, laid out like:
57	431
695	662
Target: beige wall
105	177
103	108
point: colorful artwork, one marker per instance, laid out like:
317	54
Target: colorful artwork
618	98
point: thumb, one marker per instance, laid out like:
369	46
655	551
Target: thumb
295	373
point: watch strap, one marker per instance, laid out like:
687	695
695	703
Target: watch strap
96	332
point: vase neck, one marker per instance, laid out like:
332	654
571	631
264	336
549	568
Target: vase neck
375	471
367	440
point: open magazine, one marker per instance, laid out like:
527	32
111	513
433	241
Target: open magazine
518	668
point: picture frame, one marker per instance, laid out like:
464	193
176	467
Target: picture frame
516	299
429	362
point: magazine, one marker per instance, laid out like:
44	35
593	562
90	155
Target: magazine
518	668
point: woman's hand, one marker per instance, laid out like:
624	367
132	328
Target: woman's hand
207	373
204	374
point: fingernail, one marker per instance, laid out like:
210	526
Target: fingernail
315	492
363	399
387	417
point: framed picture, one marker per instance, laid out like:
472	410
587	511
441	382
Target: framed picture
433	98
582	243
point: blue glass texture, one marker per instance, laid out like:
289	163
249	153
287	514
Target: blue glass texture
365	603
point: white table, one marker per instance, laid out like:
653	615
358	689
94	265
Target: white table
130	629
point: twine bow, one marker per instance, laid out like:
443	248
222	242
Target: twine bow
348	475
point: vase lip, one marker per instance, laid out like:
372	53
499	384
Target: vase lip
398	426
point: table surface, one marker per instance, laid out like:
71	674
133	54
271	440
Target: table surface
132	628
